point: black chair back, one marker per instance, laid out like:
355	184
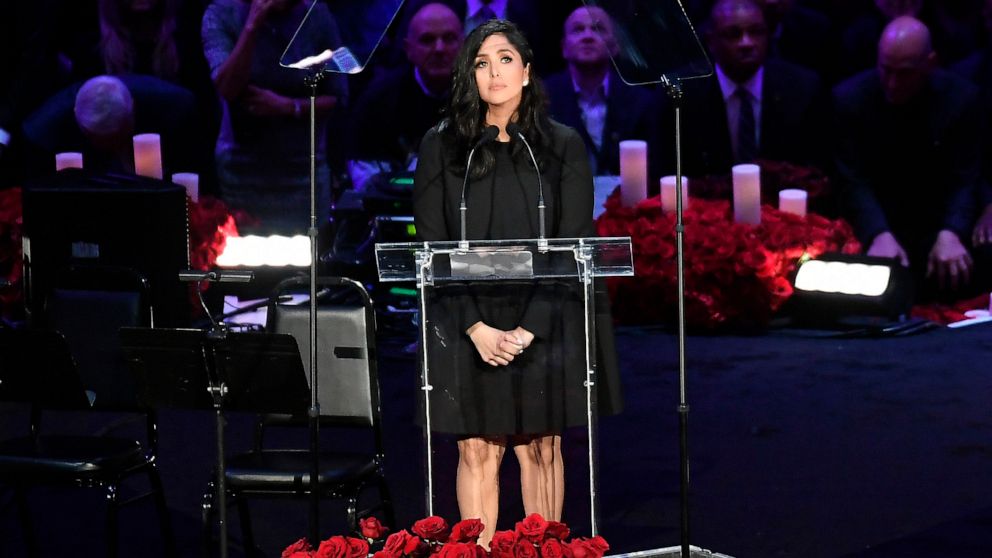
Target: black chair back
346	358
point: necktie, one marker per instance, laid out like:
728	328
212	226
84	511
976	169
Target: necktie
747	143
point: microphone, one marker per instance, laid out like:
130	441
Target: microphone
513	129
488	135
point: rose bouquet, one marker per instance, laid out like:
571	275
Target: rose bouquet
736	275
534	537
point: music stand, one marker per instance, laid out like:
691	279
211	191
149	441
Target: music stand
197	369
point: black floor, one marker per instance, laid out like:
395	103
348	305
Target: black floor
800	447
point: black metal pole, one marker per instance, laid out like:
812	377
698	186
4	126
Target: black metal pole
674	91
313	413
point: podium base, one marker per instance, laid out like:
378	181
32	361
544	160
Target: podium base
671	552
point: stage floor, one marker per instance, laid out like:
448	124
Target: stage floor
813	448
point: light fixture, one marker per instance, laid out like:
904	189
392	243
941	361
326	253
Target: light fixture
833	286
271	251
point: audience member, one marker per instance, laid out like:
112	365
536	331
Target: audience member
978	69
99	117
535	19
31	72
752	107
859	40
399	107
263	149
908	159
802	36
590	97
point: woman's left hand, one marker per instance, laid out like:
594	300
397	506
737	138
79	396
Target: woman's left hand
521	337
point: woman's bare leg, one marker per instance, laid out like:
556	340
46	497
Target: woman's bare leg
477	482
542	476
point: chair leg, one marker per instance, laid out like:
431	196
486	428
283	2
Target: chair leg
387	503
207	525
164	519
247	533
112	522
27	525
353	511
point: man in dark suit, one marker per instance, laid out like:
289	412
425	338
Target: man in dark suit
590	97
399	107
752	107
909	158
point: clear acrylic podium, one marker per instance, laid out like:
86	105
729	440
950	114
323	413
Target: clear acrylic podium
582	259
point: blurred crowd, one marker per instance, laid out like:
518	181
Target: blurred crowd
891	98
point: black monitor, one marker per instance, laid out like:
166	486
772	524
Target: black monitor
75	218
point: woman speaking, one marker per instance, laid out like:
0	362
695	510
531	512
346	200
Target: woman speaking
507	361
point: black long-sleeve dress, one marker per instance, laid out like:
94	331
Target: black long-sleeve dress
542	390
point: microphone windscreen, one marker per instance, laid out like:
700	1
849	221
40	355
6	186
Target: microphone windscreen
513	129
488	135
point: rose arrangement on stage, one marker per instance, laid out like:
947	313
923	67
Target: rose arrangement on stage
534	537
736	275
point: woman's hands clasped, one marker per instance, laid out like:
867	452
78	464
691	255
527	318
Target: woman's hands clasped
497	347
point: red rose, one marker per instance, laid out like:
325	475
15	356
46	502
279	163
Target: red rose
384	554
524	549
553	548
372	529
431	528
599	543
557	530
334	547
357	548
457	550
532	528
481	552
396	543
300	546
588	548
467	530
502	544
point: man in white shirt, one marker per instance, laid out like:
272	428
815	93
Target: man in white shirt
591	98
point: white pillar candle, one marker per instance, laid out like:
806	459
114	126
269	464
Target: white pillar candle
668	193
633	171
792	201
68	160
747	194
148	155
191	181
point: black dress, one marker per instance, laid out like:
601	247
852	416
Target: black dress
542	390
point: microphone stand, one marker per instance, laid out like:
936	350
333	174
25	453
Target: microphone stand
313	413
675	93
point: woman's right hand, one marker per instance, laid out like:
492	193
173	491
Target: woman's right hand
487	343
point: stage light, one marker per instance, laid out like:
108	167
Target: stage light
271	251
837	285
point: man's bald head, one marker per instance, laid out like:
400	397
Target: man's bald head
432	42
588	39
905	59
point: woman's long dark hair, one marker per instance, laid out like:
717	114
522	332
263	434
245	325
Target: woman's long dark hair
466	112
